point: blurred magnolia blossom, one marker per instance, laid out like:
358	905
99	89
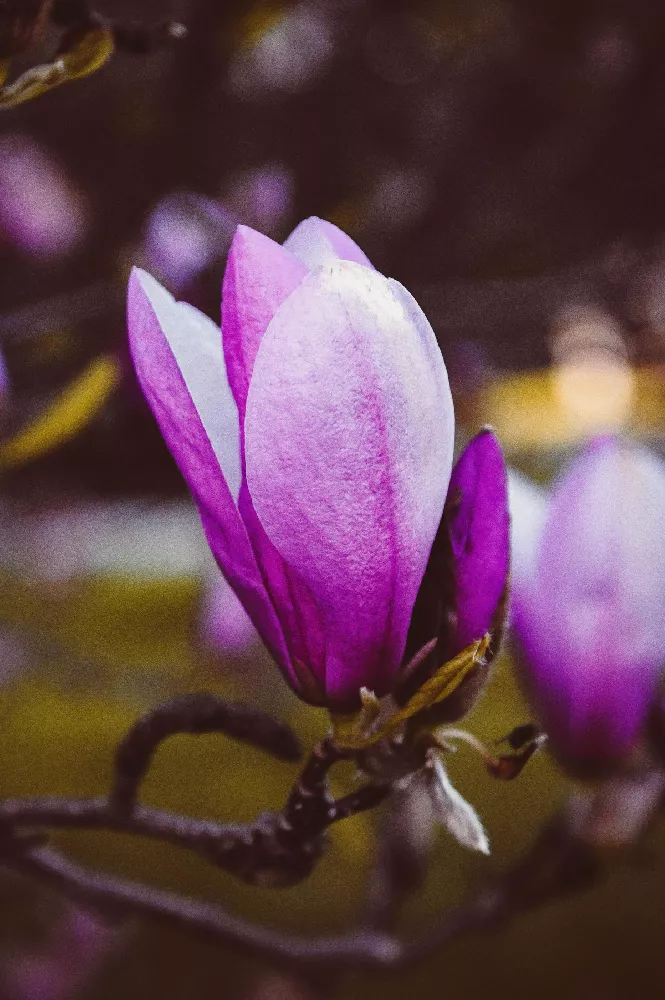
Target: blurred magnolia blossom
41	212
262	196
185	233
589	616
75	950
282	52
527	503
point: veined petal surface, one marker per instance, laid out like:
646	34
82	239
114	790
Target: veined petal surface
348	438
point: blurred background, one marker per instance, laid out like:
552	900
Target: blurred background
504	159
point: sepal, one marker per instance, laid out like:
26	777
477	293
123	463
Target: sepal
368	726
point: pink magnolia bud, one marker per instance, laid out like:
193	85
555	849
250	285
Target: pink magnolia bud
590	616
316	436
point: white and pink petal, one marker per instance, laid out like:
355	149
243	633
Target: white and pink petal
348	436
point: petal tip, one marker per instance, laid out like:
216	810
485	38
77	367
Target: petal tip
245	234
144	284
316	241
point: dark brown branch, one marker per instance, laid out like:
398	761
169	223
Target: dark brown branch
367	797
208	921
95	814
279	848
195	714
559	863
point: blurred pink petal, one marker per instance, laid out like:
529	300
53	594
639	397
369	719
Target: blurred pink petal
40	210
75	951
185	234
262	196
286	55
590	621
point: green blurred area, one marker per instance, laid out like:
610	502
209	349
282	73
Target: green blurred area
502	159
112	647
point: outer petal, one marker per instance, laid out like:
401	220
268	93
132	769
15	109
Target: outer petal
295	607
592	622
159	323
348	437
178	366
316	242
480	536
259	276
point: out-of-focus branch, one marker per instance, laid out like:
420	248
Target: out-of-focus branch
282	848
204	919
560	862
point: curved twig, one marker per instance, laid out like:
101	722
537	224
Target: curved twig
279	848
195	714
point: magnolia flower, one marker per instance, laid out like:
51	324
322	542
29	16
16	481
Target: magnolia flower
589	617
316	436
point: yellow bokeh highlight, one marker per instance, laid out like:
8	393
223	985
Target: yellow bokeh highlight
66	415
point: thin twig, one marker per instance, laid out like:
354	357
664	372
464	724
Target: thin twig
280	848
95	814
195	714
